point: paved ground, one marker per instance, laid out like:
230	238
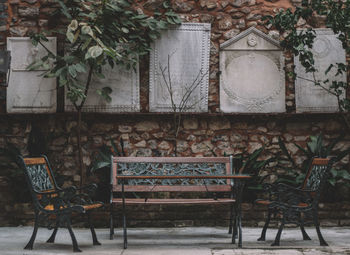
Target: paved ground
176	241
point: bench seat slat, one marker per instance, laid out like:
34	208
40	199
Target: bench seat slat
173	201
173	188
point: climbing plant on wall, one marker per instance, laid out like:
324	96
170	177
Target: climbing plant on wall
99	32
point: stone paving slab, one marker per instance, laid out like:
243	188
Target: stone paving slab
176	241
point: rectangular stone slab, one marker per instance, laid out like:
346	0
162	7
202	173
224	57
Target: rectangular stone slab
252	76
327	49
28	91
125	87
183	53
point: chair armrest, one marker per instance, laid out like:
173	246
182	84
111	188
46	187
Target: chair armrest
292	196
84	196
90	188
281	193
59	205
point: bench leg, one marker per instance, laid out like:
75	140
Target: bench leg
125	233
266	225
29	245
111	226
231	220
239	231
124	219
234	233
92	229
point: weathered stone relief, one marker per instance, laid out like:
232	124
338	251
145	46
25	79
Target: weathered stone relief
327	49
125	94
179	64
28	91
252	74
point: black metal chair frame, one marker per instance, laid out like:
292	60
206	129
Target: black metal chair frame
294	205
54	206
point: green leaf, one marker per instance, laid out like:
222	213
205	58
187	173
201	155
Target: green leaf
86	43
94	52
72	71
80	68
125	30
73	25
99	165
285	151
86	30
332	181
70	36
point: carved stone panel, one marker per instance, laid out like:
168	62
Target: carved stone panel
252	74
179	66
28	91
125	87
327	49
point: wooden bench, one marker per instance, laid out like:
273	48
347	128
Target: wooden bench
213	175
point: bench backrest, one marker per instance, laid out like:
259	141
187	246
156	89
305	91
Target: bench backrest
175	166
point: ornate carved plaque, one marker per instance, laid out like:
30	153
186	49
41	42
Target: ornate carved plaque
125	87
28	92
182	52
252	74
327	49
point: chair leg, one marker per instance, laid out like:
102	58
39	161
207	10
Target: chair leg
305	235
29	245
92	229
111	226
53	236
317	225
74	240
278	236
266	225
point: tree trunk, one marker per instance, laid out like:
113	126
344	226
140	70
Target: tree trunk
80	151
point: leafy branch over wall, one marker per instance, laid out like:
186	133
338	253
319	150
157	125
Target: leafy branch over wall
99	33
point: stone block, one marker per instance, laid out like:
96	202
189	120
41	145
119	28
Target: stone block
146	126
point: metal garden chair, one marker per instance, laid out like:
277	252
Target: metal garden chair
54	206
297	205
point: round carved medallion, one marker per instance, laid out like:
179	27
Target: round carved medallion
252	40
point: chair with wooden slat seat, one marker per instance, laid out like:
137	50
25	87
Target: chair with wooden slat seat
54	206
297	205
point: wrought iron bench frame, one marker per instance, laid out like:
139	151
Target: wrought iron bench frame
230	182
54	206
294	204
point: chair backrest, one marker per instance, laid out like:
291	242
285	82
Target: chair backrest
317	172
38	174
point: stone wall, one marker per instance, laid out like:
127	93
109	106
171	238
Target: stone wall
147	134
